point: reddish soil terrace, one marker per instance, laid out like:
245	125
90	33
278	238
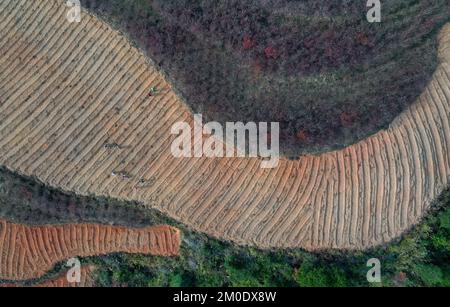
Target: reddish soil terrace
28	252
61	281
68	90
86	280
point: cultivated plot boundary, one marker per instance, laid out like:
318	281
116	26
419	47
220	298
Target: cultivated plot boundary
67	89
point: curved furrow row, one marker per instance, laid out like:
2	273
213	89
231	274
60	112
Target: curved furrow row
69	89
64	280
27	252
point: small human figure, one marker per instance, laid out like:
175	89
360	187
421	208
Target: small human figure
112	146
153	91
121	175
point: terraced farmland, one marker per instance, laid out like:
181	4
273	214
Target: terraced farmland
316	67
67	90
28	252
86	280
61	281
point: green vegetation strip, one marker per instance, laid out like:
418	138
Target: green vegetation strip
420	258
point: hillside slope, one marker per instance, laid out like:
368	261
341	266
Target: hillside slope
67	90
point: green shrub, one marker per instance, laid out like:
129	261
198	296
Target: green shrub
430	275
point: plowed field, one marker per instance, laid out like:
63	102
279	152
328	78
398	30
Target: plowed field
67	90
62	282
28	252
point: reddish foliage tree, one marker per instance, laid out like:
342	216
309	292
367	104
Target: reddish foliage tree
302	136
247	43
348	118
271	52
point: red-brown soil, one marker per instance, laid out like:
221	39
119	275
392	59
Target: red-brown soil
68	89
28	252
86	281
